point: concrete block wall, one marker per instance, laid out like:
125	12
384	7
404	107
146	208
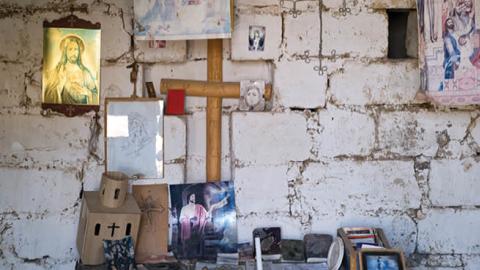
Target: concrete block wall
349	147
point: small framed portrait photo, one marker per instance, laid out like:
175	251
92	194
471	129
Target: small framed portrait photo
381	259
256	38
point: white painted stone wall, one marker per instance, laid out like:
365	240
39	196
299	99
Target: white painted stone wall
348	148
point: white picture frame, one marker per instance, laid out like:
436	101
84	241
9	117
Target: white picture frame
134	137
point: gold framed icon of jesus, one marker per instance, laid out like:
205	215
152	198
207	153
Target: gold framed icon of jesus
71	69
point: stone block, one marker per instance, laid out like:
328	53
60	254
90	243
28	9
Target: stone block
174	51
196	171
115	44
449	231
196	147
442	261
38	191
358	187
394	4
416	133
174	173
376	83
471	261
92	175
297	8
236	71
455	182
251	183
21	47
475	132
240	37
269	138
197	49
27	47
33	90
33	140
342	133
340	31
12	84
33	238
411	41
196	70
257	2
115	82
302	33
175	137
306	90
227	49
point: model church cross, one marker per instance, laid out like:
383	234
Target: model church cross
113	227
214	90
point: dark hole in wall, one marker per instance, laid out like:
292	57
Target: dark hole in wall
97	229
397	33
117	192
129	229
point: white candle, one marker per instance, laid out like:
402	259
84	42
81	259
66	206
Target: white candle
258	253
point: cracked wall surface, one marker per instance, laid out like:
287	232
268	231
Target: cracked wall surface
349	147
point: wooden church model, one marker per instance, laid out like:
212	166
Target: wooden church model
108	214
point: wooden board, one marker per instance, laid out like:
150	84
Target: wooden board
153	234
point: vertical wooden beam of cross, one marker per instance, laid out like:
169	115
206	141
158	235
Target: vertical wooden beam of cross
214	111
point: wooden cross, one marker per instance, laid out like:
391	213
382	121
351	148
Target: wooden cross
215	90
70	110
113	227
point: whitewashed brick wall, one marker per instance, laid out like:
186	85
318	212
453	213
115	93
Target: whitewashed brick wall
348	148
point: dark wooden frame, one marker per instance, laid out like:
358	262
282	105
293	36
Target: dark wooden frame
351	255
380	252
150	90
71	110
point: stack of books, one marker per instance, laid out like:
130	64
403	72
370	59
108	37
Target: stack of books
363	237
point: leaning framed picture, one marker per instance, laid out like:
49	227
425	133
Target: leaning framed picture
134	137
71	66
381	259
203	219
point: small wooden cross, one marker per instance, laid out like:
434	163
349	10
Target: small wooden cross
214	90
70	110
113	227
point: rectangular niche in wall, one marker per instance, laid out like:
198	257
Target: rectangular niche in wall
402	33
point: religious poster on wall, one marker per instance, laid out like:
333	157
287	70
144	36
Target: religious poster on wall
256	38
449	51
71	65
182	19
205	220
134	137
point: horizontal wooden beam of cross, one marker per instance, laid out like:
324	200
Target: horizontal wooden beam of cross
208	89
